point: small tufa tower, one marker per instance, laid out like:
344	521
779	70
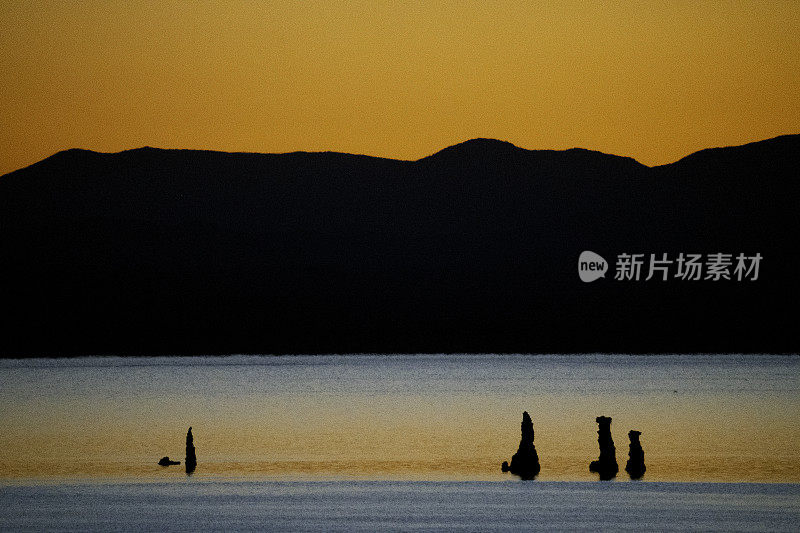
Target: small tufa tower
191	459
635	466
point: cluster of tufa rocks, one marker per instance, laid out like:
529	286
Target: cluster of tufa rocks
191	458
525	463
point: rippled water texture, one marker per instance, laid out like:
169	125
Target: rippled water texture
193	504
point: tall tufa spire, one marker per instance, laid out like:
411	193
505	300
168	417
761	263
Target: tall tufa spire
191	459
525	463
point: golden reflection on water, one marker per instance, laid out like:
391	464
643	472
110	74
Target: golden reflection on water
392	433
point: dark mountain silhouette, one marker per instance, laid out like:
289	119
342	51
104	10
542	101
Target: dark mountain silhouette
472	249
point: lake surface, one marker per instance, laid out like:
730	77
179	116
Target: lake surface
422	417
359	436
191	505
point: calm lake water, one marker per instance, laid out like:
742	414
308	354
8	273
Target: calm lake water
421	417
352	431
192	505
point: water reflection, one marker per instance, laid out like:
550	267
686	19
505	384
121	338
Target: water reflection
723	418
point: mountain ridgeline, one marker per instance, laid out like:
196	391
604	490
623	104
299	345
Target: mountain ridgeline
472	249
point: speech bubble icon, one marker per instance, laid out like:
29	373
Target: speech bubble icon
591	266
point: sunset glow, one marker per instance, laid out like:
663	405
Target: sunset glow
652	82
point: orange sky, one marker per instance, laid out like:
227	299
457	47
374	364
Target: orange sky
654	81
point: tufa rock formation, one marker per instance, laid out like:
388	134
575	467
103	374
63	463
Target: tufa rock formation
191	459
524	463
165	461
635	466
606	464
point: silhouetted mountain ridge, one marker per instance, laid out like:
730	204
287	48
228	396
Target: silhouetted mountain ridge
783	146
471	249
